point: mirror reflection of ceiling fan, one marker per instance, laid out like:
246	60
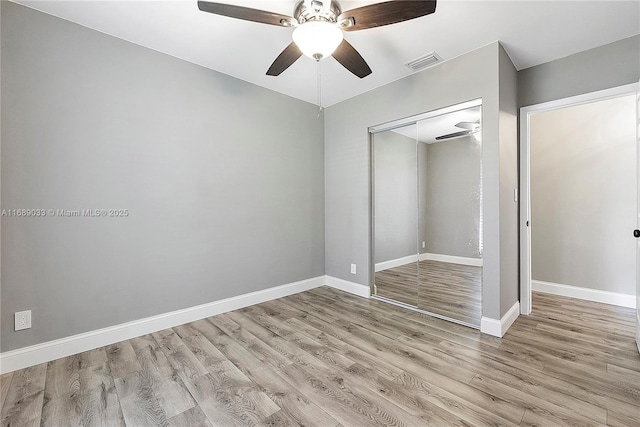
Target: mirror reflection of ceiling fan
319	27
471	127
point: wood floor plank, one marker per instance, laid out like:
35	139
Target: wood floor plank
205	351
24	401
296	409
5	382
122	359
168	387
533	381
464	402
321	351
140	407
381	378
295	347
624	374
193	417
227	404
364	330
315	368
62	399
583	349
566	409
617	420
587	335
266	354
589	374
352	352
343	406
253	328
82	388
184	363
100	401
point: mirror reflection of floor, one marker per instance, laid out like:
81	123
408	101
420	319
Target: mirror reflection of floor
451	290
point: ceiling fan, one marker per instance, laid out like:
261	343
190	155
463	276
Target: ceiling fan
319	26
471	127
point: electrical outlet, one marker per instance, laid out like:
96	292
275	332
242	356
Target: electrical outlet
23	320
353	269
423	245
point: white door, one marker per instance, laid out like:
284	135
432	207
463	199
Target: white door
637	231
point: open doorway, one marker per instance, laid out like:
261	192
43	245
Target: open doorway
579	198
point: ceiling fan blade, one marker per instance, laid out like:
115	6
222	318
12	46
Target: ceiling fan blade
245	13
350	59
288	56
385	13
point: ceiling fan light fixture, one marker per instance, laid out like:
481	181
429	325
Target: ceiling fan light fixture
318	39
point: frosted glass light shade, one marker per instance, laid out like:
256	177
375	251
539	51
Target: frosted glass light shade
317	39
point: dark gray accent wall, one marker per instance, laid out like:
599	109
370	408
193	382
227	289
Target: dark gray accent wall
612	65
223	181
347	164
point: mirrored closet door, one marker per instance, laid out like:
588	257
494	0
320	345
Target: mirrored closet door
395	186
427	213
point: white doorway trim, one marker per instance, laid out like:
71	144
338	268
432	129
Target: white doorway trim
525	198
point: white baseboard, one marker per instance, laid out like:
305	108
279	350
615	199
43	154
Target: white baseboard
638	330
51	350
498	328
352	288
476	262
385	265
623	300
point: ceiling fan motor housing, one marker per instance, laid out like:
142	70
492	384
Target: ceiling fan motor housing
317	10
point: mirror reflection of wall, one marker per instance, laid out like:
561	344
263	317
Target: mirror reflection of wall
428	214
396	214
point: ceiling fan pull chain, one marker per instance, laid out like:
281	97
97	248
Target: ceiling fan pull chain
319	87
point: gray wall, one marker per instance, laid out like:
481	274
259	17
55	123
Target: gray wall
452	197
347	169
223	181
583	195
396	191
611	65
509	231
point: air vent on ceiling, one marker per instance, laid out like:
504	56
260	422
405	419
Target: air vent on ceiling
424	61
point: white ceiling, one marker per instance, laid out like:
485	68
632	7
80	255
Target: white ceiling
533	32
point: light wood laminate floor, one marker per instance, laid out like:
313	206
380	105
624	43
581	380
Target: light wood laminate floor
450	290
327	358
